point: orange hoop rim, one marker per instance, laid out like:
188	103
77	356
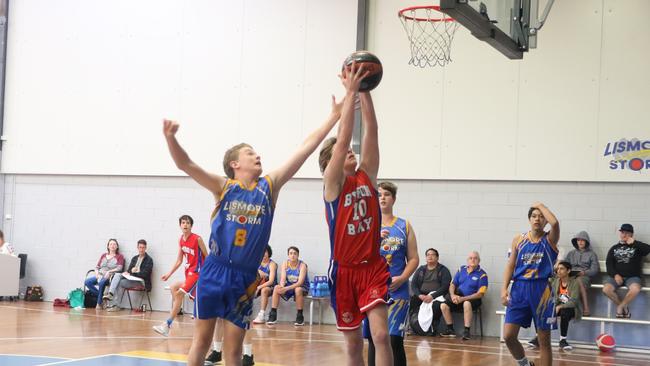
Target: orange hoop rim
421	7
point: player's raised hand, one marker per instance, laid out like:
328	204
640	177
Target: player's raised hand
337	106
170	127
351	77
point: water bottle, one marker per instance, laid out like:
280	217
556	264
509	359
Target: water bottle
312	288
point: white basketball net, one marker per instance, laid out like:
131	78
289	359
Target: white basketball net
430	33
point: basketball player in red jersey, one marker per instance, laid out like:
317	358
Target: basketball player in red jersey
359	275
192	249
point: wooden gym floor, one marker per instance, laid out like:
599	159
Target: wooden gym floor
38	334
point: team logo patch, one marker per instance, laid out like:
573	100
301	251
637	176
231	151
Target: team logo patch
374	293
241	219
346	317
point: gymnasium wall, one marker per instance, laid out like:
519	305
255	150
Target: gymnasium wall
64	222
89	82
547	117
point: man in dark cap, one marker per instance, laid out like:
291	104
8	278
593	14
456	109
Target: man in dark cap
624	261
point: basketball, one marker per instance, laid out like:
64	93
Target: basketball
605	342
369	62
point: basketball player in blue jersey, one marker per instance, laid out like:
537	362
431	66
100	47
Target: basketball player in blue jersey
267	270
400	250
240	230
294	283
530	265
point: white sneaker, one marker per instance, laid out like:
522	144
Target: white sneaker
113	308
162	329
260	318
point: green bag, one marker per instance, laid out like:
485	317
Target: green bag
76	297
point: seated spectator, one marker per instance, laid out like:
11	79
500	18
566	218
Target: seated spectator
624	264
294	283
267	270
465	292
584	264
141	266
429	282
109	263
566	292
6	248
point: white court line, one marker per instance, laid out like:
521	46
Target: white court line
22	355
88	338
81	313
77	359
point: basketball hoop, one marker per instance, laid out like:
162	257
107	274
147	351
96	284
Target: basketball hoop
430	32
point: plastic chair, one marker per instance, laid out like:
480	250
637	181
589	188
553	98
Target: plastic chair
137	288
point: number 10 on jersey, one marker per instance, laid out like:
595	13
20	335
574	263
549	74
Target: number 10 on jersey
360	223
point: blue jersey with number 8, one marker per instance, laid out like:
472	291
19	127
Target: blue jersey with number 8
241	223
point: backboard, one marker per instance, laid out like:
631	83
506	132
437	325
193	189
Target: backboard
510	26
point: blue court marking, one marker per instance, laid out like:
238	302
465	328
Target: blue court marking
114	360
21	360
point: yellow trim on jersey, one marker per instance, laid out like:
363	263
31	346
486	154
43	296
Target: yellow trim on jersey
483	289
229	182
393	221
268	179
408	227
289	264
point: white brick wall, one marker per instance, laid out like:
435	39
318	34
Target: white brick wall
64	222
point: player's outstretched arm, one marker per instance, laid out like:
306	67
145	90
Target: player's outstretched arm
369	141
280	176
213	182
333	176
179	261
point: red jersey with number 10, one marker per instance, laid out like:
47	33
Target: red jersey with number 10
191	253
354	221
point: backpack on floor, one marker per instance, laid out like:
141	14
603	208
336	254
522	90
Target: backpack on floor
34	293
90	300
76	298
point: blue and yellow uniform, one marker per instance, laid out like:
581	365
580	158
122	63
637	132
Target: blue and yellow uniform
241	226
470	282
531	296
393	247
267	272
292	276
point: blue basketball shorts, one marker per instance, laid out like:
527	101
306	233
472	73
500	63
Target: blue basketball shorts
531	301
225	291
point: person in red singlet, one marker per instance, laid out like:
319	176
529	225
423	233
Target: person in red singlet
191	252
359	275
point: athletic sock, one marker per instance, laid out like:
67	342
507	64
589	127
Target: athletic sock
169	322
217	346
248	349
523	362
300	312
562	338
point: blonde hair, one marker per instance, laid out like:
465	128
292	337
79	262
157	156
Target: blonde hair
231	155
326	153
